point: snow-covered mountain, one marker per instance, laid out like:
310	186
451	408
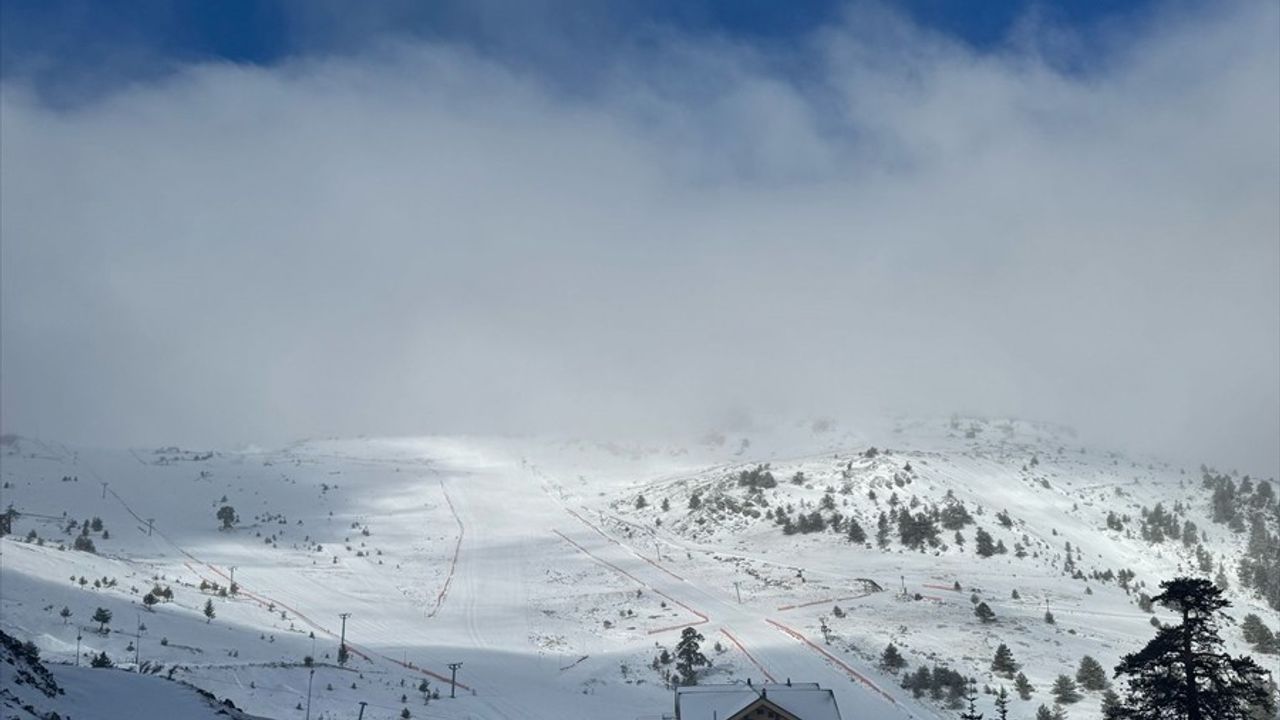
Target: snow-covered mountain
558	571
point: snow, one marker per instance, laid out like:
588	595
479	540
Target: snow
526	560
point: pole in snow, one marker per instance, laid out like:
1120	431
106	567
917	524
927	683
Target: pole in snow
737	590
453	677
342	639
309	679
361	715
78	636
104	489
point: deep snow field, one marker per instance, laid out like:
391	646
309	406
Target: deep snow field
529	562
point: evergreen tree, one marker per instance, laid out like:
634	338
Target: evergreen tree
1112	709
1042	713
1090	675
689	656
1003	662
891	659
1002	704
882	531
209	614
65	613
1023	686
972	713
1065	691
1257	634
1183	672
102	616
101	661
984	613
227	515
855	533
641	503
986	546
150	600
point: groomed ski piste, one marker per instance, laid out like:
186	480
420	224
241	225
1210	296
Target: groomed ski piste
533	563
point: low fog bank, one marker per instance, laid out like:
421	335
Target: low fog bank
419	238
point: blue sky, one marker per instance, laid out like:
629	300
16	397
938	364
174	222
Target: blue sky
71	49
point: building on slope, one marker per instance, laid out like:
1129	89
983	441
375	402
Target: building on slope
786	701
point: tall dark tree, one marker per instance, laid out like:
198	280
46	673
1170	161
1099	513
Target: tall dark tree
1002	704
891	659
689	656
102	616
1090	674
856	534
227	515
971	697
1003	662
1023	686
1184	673
1065	691
1112	708
986	546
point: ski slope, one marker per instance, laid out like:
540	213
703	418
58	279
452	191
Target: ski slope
526	560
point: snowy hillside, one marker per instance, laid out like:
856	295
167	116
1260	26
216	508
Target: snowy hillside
32	691
536	565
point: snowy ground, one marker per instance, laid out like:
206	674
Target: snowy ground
527	561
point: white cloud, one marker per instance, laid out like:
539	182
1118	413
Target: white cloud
421	239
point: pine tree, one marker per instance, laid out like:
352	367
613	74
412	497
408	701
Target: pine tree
986	546
1183	672
1257	634
891	659
209	614
1111	706
1023	686
1002	704
971	696
882	531
101	660
102	616
641	503
1090	675
689	656
227	515
150	600
65	613
1003	662
984	613
1042	713
1065	691
855	533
